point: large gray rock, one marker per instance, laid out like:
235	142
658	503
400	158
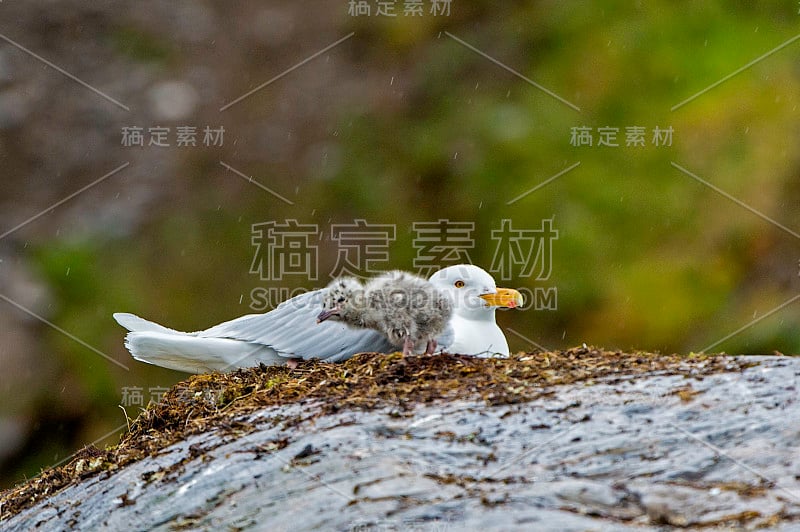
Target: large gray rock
645	452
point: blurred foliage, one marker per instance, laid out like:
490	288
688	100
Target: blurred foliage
140	45
647	257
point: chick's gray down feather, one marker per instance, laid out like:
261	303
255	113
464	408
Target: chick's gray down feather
406	306
399	305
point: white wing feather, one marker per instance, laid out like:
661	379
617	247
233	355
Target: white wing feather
289	331
292	330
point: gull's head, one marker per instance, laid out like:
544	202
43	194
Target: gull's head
473	291
341	298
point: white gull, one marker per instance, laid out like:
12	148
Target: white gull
291	331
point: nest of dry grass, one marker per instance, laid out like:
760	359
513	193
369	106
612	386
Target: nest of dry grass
366	381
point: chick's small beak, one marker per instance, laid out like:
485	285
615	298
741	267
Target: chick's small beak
325	314
504	298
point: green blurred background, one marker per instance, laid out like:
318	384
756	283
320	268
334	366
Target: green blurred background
397	125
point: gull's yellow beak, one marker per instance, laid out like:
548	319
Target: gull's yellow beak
504	298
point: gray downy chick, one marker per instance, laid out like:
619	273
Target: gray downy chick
344	301
409	310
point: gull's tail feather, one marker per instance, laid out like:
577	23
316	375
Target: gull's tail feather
192	354
152	343
134	323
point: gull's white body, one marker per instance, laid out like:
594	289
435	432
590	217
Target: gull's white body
474	335
291	331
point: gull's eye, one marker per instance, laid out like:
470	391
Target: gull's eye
459	284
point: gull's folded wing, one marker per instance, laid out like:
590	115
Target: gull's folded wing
292	330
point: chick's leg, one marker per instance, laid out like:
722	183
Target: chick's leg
431	347
408	346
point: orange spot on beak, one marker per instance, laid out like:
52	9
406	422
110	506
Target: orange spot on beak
504	298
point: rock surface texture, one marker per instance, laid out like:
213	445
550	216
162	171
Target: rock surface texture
647	451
